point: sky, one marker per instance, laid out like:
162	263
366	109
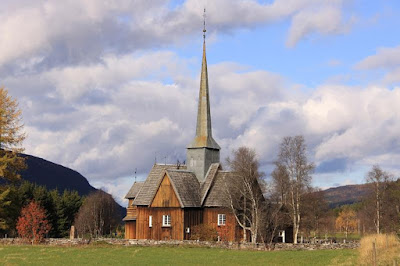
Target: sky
108	88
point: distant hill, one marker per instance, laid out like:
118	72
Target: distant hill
55	176
343	195
51	175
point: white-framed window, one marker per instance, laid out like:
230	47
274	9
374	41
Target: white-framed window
221	219
281	233
150	221
166	220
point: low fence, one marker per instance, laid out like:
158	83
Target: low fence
228	245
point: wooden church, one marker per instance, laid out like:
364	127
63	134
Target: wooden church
175	198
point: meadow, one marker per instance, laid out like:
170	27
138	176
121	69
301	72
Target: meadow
121	255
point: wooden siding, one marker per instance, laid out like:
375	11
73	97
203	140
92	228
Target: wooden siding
131	212
157	231
192	217
228	232
130	230
165	196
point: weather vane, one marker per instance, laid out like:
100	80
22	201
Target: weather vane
135	174
204	23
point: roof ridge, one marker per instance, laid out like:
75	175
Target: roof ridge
179	170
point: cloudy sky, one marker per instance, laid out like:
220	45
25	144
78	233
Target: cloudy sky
107	87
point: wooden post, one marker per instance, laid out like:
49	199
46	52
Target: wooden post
373	253
387	241
72	233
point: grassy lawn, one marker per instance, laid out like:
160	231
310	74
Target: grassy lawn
120	255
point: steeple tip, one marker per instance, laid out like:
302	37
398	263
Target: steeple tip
204	25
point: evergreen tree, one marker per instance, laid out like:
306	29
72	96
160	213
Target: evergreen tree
68	207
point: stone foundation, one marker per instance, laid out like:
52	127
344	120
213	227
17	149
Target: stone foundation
177	243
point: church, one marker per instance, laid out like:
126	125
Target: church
175	198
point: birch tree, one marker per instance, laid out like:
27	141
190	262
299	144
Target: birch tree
98	215
244	191
294	167
380	181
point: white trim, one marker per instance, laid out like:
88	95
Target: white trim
150	221
221	219
166	220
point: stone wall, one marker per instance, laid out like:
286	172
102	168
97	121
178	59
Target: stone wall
228	245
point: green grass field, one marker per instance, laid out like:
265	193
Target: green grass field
120	255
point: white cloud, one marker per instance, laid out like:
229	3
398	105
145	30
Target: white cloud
386	58
325	19
48	34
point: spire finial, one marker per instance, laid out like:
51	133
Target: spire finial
135	174
204	24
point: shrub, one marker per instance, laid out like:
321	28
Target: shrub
387	249
32	224
204	232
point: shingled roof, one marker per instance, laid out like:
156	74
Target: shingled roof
190	193
150	186
205	186
134	190
186	186
217	191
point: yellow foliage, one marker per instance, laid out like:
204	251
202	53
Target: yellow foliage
11	137
347	221
387	249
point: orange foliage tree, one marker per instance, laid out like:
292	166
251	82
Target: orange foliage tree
33	224
347	221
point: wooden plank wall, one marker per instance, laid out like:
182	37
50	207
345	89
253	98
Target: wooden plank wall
165	196
192	217
229	232
130	230
157	231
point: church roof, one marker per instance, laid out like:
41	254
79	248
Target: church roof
150	186
206	185
216	196
134	190
190	193
186	186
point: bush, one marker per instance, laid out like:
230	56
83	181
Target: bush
387	249
32	224
204	232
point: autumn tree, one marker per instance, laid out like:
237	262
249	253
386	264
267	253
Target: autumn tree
11	137
380	181
347	221
98	215
244	191
33	224
293	177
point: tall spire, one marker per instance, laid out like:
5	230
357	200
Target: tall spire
203	138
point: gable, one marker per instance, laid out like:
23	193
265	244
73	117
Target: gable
165	196
150	186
